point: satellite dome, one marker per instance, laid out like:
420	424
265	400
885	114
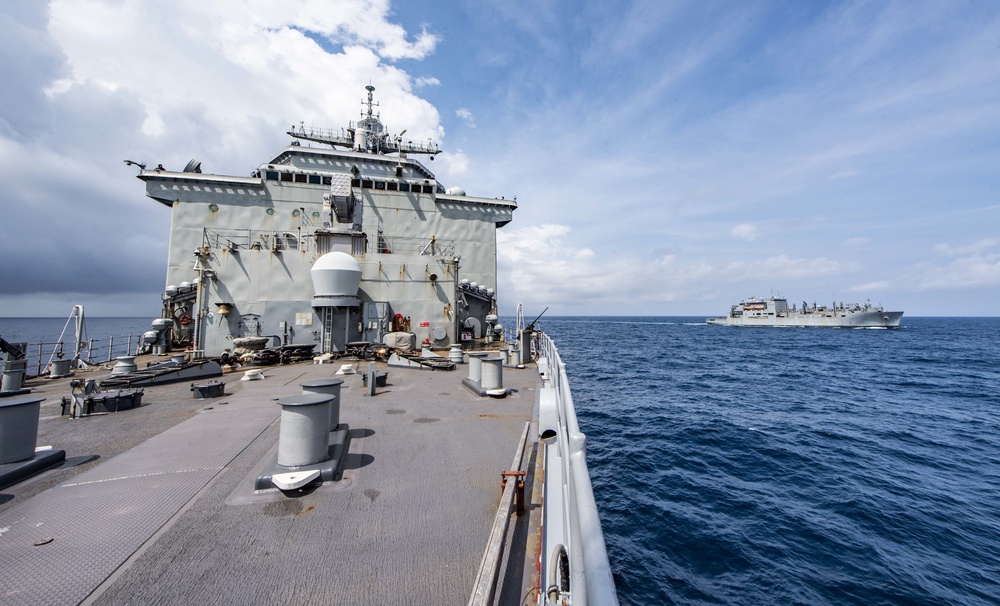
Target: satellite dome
336	277
455	191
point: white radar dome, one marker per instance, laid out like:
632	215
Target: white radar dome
455	191
336	277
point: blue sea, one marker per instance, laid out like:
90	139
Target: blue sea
111	337
776	466
792	466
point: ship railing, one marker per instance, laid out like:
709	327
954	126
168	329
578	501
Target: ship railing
574	557
304	239
237	239
93	351
398	245
325	135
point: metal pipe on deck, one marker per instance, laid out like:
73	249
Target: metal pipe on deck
484	589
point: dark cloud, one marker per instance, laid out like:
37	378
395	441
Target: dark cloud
78	235
74	218
32	61
91	120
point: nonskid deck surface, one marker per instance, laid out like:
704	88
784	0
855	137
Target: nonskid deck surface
174	519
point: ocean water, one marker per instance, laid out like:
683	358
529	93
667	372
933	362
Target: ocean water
792	466
774	466
43	335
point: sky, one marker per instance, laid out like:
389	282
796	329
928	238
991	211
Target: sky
668	157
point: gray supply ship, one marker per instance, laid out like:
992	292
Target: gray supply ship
775	312
338	453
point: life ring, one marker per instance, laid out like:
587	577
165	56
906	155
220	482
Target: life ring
184	320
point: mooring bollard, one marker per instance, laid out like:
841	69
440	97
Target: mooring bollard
13	374
125	365
455	353
476	366
19	428
371	378
303	437
492	374
329	387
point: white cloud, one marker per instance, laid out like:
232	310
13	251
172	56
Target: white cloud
782	268
466	117
540	265
972	271
871	286
745	231
964	268
451	166
190	64
425	81
92	83
979	246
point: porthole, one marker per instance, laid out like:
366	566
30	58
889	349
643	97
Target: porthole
315	214
295	212
270	211
213	207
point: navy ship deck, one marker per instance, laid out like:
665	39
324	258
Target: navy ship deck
156	505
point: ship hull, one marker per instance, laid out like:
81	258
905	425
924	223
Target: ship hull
859	319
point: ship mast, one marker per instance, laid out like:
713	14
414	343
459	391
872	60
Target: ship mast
367	136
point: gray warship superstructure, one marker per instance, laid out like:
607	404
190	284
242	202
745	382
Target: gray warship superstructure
326	246
775	312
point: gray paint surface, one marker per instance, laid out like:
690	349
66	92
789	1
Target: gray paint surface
170	521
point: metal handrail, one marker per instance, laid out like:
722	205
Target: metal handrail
38	352
570	520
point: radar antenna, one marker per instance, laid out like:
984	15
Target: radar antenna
370	90
367	136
